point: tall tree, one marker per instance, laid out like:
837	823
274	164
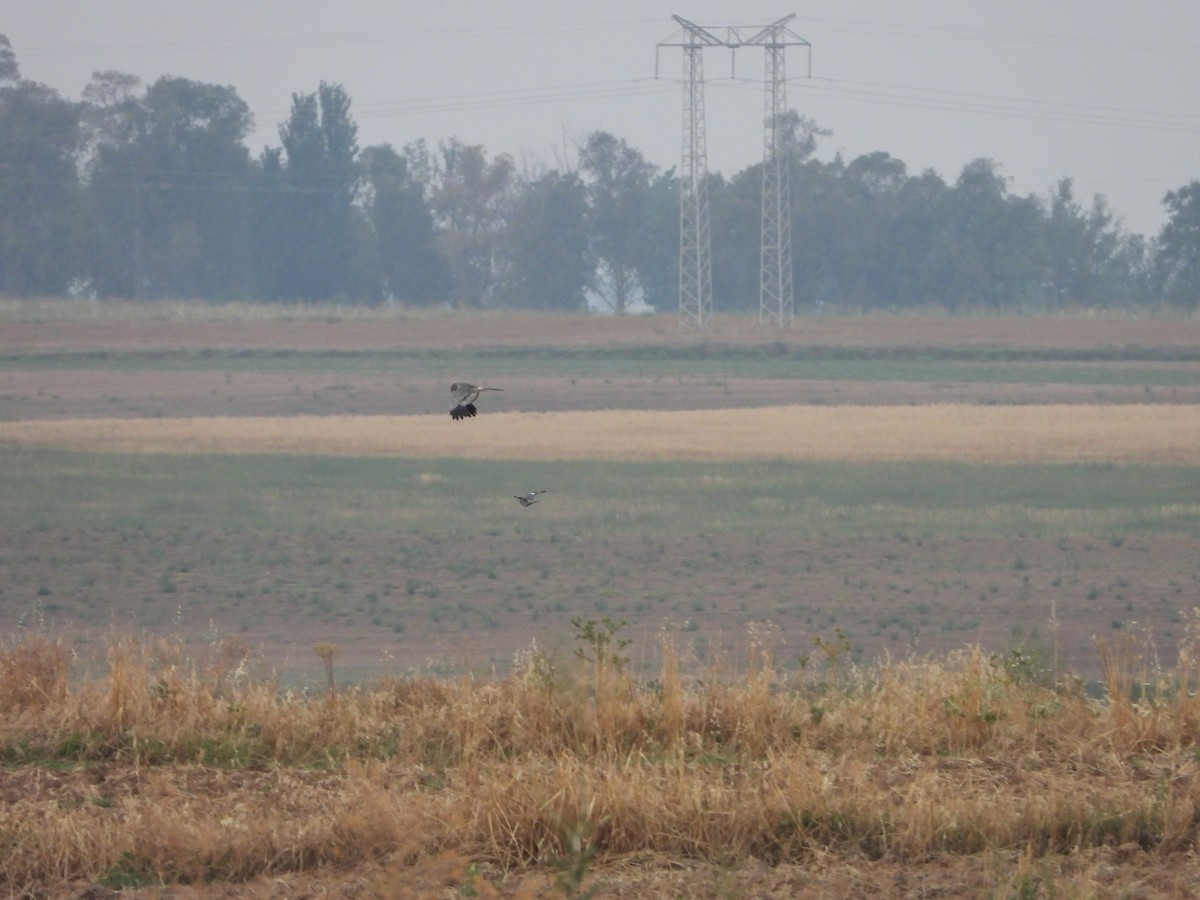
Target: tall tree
10	72
196	140
736	219
1178	259
920	208
39	196
471	200
544	252
989	254
618	181
167	176
658	255
114	118
1091	260
404	254
737	223
308	223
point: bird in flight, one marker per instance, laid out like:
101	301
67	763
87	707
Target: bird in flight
464	399
529	499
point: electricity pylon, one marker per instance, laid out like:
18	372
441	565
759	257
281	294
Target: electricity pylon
775	295
695	256
695	243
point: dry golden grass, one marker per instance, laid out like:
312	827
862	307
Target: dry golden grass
200	773
1146	433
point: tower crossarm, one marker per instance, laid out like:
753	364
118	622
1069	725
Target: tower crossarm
775	34
690	34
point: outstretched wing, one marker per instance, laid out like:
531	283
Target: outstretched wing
464	395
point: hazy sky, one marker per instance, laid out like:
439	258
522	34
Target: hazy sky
1104	91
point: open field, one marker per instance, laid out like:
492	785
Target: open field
868	489
126	368
923	554
1146	433
83	327
429	565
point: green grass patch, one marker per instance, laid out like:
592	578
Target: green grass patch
472	499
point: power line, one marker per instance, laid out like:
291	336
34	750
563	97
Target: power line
987	104
326	40
834	88
853	26
842	89
892	29
1018	108
1031	101
849	90
602	90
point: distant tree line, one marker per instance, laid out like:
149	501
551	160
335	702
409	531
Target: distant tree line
150	192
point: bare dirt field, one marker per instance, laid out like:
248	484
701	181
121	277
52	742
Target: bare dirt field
219	375
474	609
78	393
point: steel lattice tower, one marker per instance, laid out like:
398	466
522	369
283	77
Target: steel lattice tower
775	298
695	255
775	294
695	244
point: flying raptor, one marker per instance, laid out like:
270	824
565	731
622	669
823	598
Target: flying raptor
529	499
464	399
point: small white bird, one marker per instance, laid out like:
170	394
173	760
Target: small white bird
464	399
529	499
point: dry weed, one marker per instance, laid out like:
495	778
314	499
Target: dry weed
561	766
